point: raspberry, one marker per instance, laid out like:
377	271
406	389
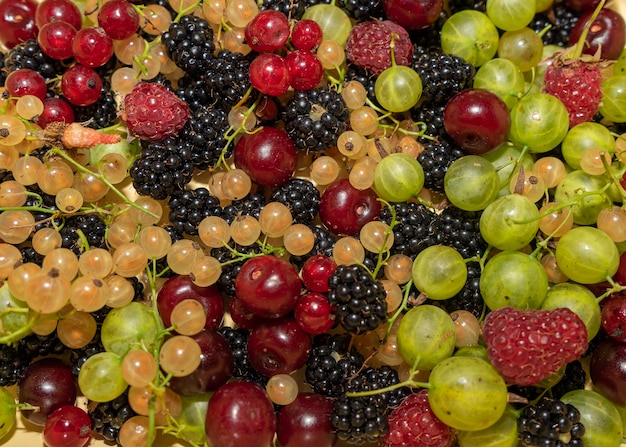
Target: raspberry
527	346
413	424
369	45
153	113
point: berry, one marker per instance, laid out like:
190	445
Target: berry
238	341
204	133
369	45
152	112
227	77
29	55
527	346
436	157
101	114
414	424
189	43
418	228
81	86
189	207
301	197
90	226
108	417
268	31
561	20
548	421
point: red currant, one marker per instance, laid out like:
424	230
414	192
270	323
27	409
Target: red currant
55	39
81	85
26	82
92	47
306	35
305	68
119	19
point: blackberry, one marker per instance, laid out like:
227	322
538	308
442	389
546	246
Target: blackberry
443	75
251	205
226	281
331	363
561	20
3	73
13	364
204	132
103	113
462	231
78	357
435	159
358	299
548	423
574	378
189	207
459	5
302	198
107	417
315	118
469	298
362	419
30	255
162	168
418	228
431	35
227	77
195	92
324	243
237	339
189	43
34	345
362	75
28	54
431	115
293	9
88	226
363	9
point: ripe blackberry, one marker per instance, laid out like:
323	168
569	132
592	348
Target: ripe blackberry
190	206
324	243
301	197
294	9
34	345
561	20
358	420
315	118
469	298
431	35
443	75
204	132
435	159
237	339
162	168
195	92
28	54
107	417
459	5
356	73
251	205
3	73
189	43
431	115
13	363
226	281
227	77
89	226
30	255
574	378
548	423
462	231
331	363
103	113
78	357
358	299
418	228
363	9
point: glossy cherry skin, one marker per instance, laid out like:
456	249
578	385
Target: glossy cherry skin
216	366
607	33
477	120
314	313
620	275
607	370
581	5
268	156
68	426
18	21
242	316
306	422
278	346
49	384
613	317
181	287
58	11
240	414
344	209
315	272
413	14
268	286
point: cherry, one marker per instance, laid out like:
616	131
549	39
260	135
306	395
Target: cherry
55	109
269	74
620	275
268	156
278	346
306	35
92	47
607	33
413	14
240	414
267	31
345	209
49	384
55	39
119	19
67	426
315	272
26	82
17	19
581	5
242	316
314	313
477	120
607	370
305	69
268	286
614	317
306	422
216	366
81	86
181	287
49	11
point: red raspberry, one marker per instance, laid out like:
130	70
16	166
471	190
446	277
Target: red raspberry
153	113
413	424
527	346
369	45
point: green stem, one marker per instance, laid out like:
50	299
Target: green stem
403	306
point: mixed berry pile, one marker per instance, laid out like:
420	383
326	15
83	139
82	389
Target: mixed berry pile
307	223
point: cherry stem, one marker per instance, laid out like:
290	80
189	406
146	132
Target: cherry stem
615	287
582	40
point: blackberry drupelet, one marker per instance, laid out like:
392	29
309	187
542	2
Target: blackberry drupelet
250	205
356	73
204	132
28	54
189	43
189	207
358	299
561	20
91	227
162	168
432	116
435	159
3	73
418	228
302	198
549	420
443	75
331	363
237	339
363	9
362	419
459	5
227	77
195	92
30	255
103	113
315	118
574	378
226	281
469	298
34	345
107	417
462	231
292	9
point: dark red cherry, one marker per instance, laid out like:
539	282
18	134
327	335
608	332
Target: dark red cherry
607	369
345	209
413	14
68	426
306	422
315	272
613	317
314	313
581	5
607	33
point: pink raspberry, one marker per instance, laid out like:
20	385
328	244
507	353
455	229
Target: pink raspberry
369	45
153	113
527	346
413	424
